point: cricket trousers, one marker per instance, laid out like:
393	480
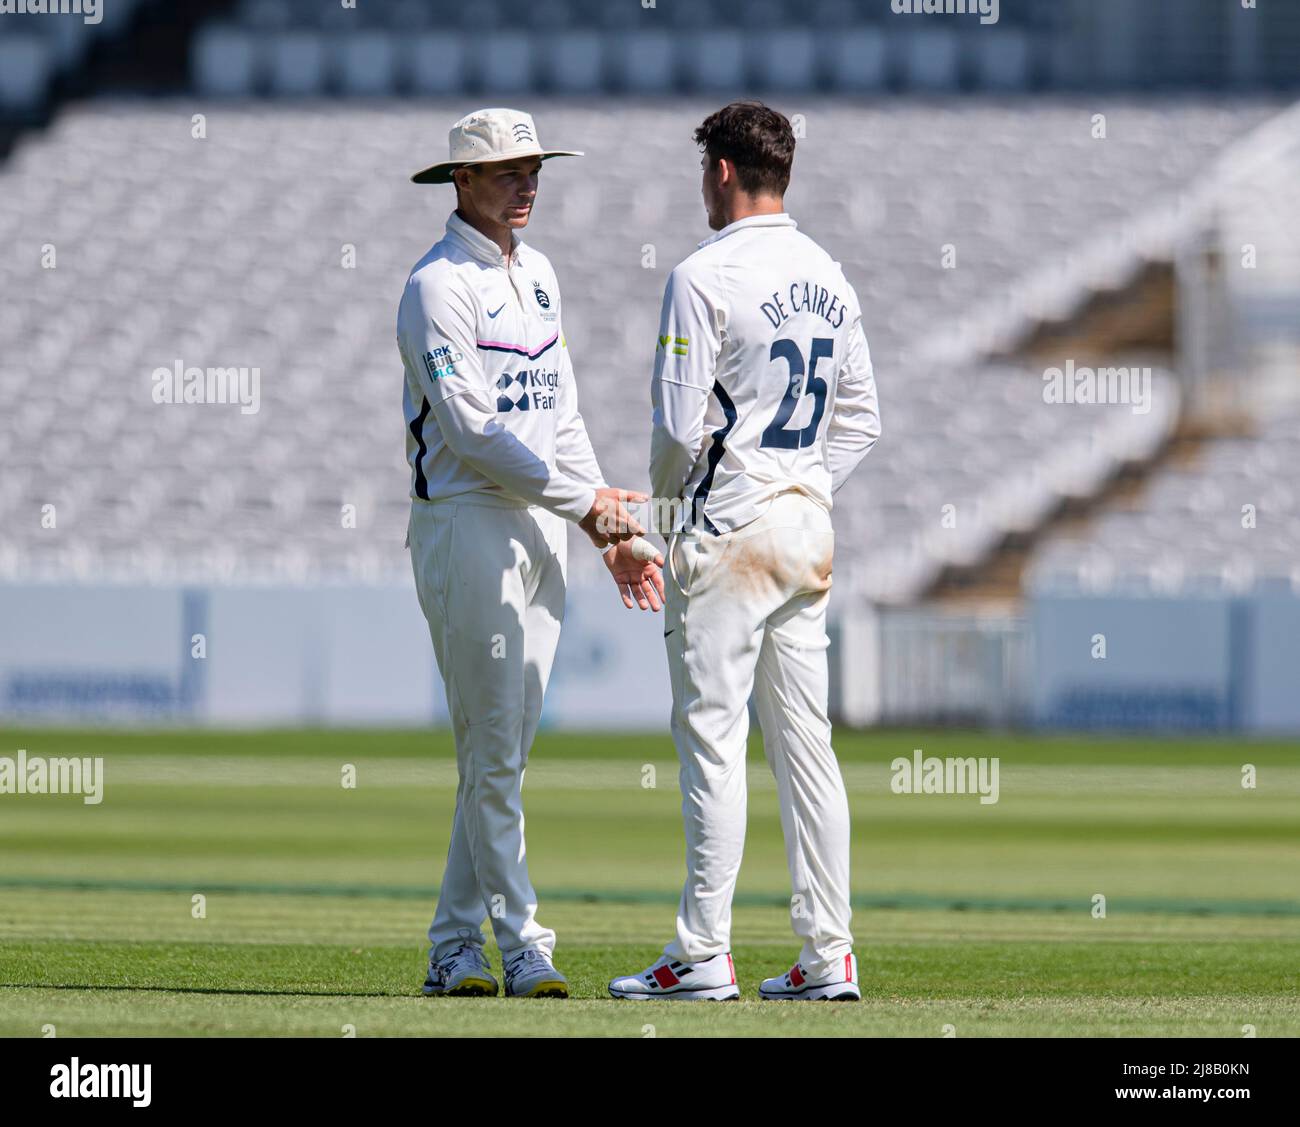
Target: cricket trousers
747	612
490	575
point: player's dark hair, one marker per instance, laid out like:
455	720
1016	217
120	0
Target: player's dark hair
756	139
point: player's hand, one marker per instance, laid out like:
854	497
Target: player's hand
608	521
635	579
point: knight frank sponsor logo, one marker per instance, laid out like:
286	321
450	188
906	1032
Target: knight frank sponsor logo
179	384
531	389
37	775
928	774
75	1080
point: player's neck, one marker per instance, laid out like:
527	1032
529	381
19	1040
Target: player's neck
745	207
499	233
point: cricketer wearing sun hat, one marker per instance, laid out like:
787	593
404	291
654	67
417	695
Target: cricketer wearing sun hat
489	135
500	460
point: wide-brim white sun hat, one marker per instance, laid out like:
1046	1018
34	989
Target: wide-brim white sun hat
488	135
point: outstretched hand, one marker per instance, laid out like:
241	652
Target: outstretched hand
640	583
608	521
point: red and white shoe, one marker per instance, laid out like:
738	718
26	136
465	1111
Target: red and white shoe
840	984
709	980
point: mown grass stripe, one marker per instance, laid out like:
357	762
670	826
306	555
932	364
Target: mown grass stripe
902	900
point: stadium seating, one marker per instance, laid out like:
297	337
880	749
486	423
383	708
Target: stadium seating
1227	519
584	46
35	47
230	251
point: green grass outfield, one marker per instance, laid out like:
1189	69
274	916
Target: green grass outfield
969	916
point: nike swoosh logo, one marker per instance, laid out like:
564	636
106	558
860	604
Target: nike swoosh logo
497	310
667	632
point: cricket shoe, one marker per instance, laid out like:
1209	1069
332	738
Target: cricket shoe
709	980
839	984
530	974
462	974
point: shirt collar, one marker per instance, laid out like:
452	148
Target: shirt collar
782	219
478	244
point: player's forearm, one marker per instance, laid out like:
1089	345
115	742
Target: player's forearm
575	457
574	454
677	435
853	431
671	460
582	468
475	436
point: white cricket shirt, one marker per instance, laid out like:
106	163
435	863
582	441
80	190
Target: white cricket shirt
762	377
490	401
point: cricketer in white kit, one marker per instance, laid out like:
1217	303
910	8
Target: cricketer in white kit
764	402
500	459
